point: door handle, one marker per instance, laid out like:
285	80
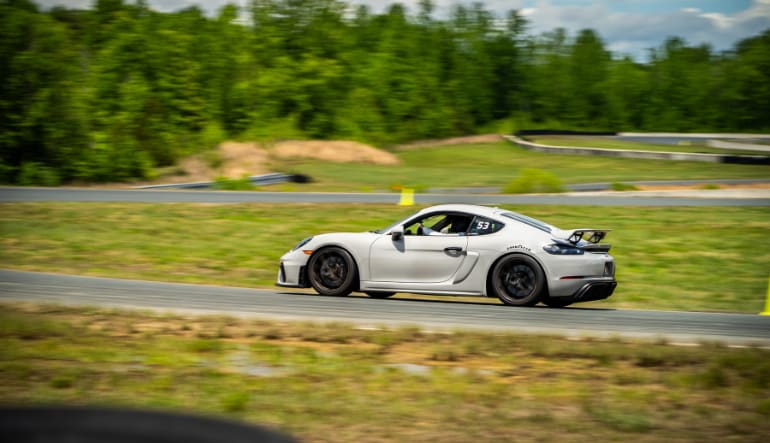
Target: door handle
454	251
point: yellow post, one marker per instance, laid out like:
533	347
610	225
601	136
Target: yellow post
767	302
407	197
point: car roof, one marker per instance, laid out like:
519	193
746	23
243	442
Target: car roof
472	209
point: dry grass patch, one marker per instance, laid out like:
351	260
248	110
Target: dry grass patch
242	159
469	139
333	151
331	382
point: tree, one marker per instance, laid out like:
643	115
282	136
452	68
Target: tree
588	67
42	121
111	92
627	96
745	85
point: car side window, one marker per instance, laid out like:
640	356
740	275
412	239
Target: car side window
484	226
439	224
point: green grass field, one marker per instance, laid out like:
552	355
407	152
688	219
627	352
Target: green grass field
680	258
496	164
334	383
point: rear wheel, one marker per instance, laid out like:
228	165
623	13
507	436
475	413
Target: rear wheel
517	280
379	294
332	271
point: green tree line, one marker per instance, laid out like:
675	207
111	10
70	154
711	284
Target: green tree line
112	92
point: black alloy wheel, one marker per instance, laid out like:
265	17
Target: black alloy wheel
332	271
517	280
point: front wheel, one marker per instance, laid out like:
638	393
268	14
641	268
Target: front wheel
517	280
332	271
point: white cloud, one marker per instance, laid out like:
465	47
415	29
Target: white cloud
633	31
526	12
721	21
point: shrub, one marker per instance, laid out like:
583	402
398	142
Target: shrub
6	172
61	382
235	401
236	184
618	186
205	345
532	180
33	173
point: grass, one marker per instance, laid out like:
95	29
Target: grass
534	181
610	143
496	164
674	258
335	383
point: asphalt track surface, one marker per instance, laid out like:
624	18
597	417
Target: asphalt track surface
578	321
15	194
587	319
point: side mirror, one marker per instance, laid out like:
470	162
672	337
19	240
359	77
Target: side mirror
397	233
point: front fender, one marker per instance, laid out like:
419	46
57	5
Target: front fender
356	243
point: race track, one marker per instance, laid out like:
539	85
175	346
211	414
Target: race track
16	194
581	320
587	319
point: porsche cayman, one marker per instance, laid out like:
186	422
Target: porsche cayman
458	250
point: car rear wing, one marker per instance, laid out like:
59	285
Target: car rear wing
575	235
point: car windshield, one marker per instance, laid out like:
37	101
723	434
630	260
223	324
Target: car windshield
535	223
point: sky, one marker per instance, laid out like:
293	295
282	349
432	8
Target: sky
626	26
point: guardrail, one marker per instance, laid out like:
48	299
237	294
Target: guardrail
627	153
258	180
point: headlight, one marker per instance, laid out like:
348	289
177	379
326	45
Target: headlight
556	249
302	243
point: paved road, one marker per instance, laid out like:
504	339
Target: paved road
13	194
588	320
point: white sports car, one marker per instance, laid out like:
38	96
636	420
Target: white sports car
458	250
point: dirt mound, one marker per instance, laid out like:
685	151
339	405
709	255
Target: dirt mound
485	138
334	151
234	160
230	160
239	159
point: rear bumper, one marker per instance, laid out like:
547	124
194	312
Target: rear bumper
595	290
574	291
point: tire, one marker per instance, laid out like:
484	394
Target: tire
517	280
332	271
562	302
378	294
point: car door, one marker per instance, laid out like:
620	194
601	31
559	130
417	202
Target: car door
417	259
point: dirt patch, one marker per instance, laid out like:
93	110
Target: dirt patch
334	151
703	186
234	160
231	160
485	138
239	159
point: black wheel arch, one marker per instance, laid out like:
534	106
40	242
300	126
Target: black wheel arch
490	271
